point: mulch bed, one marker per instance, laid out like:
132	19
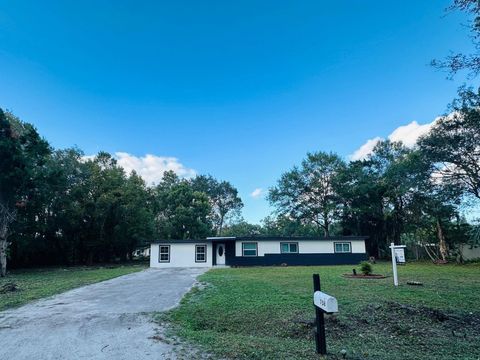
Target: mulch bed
361	276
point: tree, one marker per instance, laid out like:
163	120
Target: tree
137	226
308	193
180	211
453	144
23	154
400	172
224	199
282	225
243	228
460	61
363	211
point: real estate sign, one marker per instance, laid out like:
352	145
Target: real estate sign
400	255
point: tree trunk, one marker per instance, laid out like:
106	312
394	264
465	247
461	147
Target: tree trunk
3	250
220	227
441	241
434	260
326	225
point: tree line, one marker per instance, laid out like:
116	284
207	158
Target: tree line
396	194
60	207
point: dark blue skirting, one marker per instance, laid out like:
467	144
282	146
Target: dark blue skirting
297	259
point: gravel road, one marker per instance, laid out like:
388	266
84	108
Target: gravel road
107	320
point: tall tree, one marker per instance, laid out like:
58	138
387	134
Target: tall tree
462	61
400	173
283	225
137	227
224	199
453	144
309	193
363	205
180	211
23	153
243	228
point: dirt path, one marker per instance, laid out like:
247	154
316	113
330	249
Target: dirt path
107	320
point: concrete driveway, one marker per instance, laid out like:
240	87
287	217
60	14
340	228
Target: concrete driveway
106	320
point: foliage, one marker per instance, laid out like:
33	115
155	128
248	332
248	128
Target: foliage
181	211
71	209
283	225
23	155
308	194
366	268
259	325
243	228
456	62
223	197
386	195
453	144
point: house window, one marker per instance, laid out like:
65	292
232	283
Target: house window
249	249
343	247
200	253
289	248
164	255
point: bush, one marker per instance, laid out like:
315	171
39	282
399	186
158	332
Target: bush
366	268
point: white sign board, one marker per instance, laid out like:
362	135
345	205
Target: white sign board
325	302
400	255
394	249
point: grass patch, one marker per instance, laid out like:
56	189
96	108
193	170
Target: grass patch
34	284
267	313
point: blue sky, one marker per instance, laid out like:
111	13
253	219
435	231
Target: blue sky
240	90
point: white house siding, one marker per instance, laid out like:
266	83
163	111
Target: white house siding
304	246
181	255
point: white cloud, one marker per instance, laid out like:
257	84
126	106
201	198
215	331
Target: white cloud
365	149
86	158
258	192
151	167
407	134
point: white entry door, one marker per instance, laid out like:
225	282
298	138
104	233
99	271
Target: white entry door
220	254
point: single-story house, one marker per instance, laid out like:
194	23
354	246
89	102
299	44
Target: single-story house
258	251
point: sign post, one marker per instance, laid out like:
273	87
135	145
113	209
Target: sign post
401	259
324	303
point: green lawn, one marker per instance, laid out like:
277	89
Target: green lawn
34	284
267	313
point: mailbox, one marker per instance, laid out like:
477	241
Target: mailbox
325	302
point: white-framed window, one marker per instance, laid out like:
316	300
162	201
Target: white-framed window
164	253
249	249
343	247
289	247
200	253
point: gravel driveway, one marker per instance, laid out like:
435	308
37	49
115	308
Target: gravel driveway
106	320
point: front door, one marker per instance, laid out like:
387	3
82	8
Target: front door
220	254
